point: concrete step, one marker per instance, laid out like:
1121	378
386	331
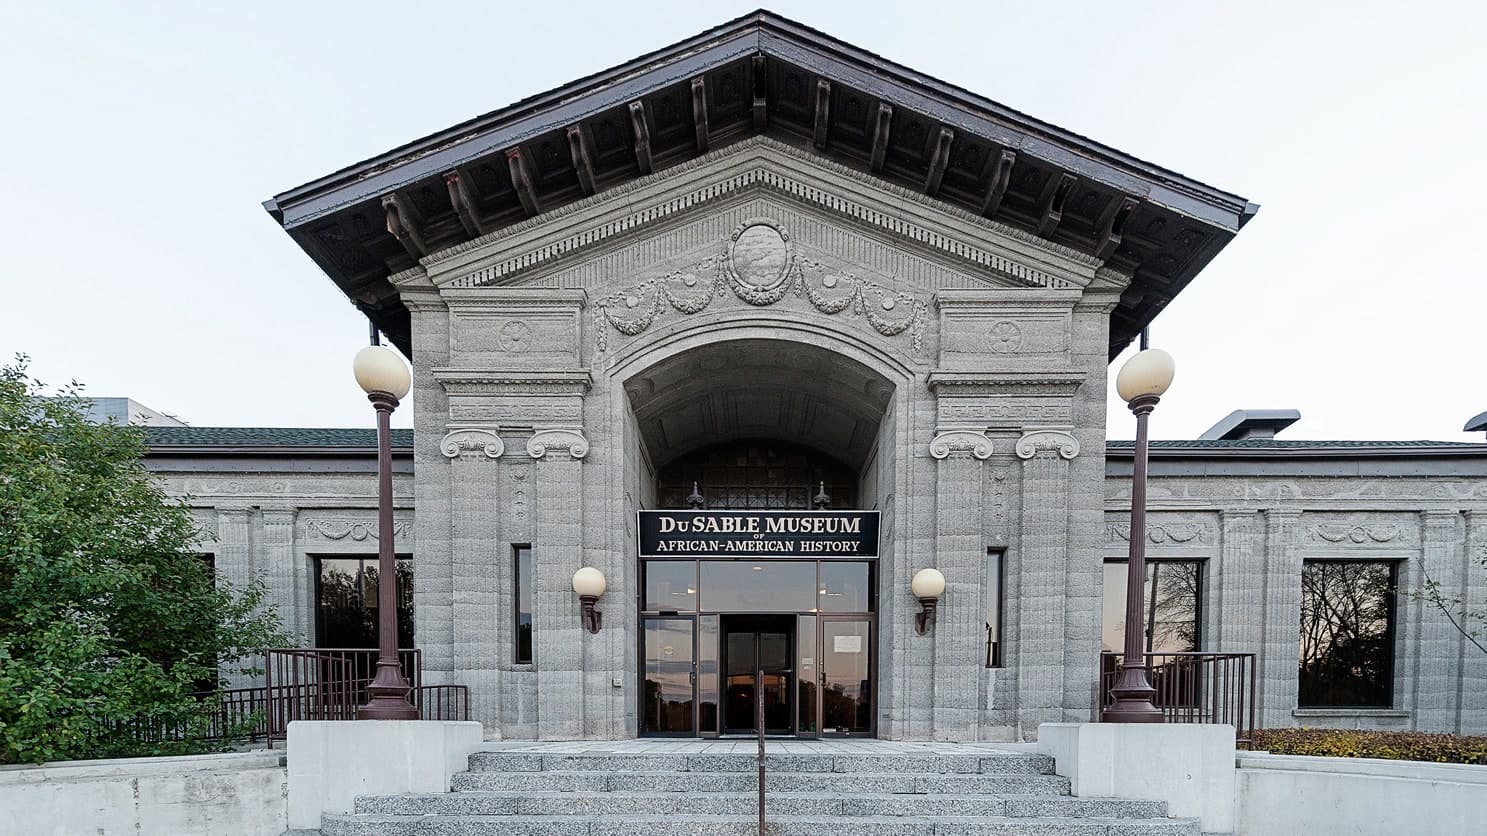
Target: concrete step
386	825
745	804
706	782
999	763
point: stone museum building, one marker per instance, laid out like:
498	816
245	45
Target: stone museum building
760	325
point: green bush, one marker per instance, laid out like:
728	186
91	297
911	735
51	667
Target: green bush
109	619
1358	743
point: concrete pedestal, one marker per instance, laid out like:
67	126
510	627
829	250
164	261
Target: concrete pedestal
1189	766
332	762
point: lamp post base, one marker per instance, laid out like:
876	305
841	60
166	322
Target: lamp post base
1133	699
387	695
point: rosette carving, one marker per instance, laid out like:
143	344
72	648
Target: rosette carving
1034	442
962	440
471	440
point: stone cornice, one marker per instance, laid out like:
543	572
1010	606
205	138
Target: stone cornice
761	163
508	297
536	381
945	382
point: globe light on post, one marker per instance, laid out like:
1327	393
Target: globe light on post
928	585
589	584
384	376
1141	383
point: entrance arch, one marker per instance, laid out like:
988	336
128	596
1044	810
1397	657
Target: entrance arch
734	426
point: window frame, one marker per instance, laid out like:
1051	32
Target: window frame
517	612
1199	602
1390	640
998	590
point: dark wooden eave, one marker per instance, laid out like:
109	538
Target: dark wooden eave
765	74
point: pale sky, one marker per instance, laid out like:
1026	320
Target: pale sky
141	138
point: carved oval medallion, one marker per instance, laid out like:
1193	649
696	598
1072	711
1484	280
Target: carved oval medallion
759	262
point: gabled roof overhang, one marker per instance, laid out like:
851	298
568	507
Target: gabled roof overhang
759	74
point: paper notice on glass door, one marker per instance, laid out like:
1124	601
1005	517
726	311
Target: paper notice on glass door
846	644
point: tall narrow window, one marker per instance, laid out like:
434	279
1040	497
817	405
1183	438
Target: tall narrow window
993	608
1170	601
1347	634
523	559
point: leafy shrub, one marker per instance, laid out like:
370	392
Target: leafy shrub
1358	743
109	619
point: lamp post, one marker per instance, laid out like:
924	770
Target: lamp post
385	378
1141	383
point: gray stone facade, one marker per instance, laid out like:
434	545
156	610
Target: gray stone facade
763	233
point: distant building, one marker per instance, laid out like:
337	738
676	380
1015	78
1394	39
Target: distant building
764	274
127	411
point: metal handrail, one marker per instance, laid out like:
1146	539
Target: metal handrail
1195	687
759	724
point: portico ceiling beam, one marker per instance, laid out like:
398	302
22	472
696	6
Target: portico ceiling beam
462	198
881	125
761	95
939	161
521	180
1001	178
405	224
641	125
1055	195
583	157
1114	227
823	112
699	112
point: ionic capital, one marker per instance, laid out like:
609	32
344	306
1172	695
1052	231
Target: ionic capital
568	440
1047	440
472	439
971	441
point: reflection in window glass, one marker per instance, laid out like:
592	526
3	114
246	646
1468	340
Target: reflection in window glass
993	608
1347	634
670	586
667	702
844	586
346	602
1170	601
523	603
765	586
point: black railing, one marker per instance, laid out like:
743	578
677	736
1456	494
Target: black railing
1195	688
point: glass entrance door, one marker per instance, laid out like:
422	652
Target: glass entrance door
670	677
752	644
846	675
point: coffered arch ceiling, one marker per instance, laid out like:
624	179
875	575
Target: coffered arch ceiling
767	389
759	74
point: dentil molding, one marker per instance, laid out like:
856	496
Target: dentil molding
1047	440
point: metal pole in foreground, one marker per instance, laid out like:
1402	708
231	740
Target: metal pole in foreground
759	723
1133	692
385	379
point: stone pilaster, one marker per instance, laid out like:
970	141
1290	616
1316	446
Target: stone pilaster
1472	714
282	576
558	633
234	560
1437	641
476	555
1239	584
1045	529
1282	625
960	553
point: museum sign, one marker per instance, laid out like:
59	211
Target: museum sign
812	534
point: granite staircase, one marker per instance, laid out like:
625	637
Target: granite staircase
597	793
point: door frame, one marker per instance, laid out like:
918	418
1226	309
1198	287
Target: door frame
871	619
791	623
696	704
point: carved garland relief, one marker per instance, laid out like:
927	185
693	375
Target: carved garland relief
357	530
759	266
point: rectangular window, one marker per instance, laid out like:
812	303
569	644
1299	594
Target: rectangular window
1347	634
523	560
993	608
1171	603
346	602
